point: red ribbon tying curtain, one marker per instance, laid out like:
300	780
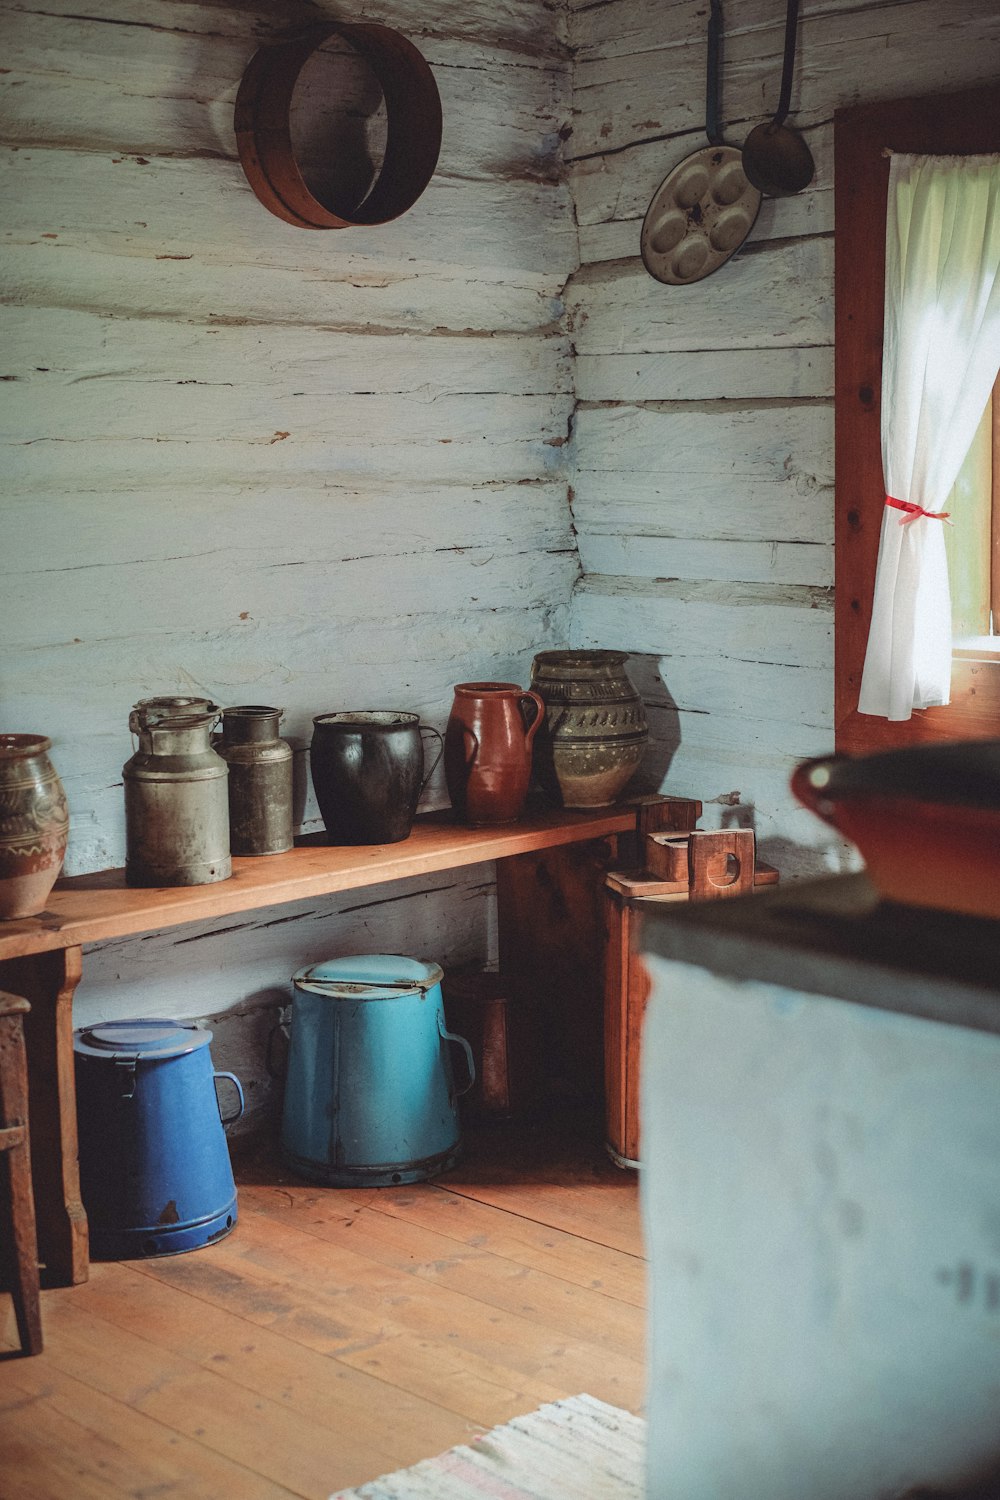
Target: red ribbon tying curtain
914	511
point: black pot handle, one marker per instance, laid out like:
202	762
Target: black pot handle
429	729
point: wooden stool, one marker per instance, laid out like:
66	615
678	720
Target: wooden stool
18	1243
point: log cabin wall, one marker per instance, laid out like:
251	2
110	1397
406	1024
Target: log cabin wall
703	437
331	470
315	469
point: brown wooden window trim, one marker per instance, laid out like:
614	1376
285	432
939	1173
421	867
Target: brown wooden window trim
963	124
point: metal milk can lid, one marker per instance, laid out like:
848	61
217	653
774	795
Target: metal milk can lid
369	976
154	1036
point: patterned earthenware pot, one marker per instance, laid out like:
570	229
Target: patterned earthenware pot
594	733
34	825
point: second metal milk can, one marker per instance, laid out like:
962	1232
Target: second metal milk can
260	780
176	803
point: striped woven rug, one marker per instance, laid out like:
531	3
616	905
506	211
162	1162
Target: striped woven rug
580	1448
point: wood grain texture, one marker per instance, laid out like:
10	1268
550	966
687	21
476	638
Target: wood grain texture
705	375
704	444
882	51
48	982
550	945
550	948
626	990
328	470
613	192
19	1248
91	908
337	1335
320	470
767	298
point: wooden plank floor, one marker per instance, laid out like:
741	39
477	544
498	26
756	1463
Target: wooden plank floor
336	1334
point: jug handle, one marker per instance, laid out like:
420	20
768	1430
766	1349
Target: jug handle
427	728
470	745
470	1065
539	703
230	1119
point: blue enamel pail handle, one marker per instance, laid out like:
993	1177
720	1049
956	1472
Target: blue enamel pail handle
470	1065
231	1119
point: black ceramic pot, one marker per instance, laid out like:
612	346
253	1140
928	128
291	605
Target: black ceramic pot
368	772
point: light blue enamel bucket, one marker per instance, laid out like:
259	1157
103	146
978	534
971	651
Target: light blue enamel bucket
370	1089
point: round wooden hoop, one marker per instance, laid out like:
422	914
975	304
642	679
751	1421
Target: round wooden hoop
263	135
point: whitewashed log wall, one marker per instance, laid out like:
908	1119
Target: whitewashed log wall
332	470
320	470
703	439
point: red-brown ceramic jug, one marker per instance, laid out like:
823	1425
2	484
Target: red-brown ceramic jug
487	750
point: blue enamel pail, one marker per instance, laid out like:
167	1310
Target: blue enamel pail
370	1090
155	1174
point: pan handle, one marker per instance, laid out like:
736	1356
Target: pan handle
712	129
788	63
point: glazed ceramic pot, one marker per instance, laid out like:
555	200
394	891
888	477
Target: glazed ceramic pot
368	772
594	734
34	825
487	750
926	820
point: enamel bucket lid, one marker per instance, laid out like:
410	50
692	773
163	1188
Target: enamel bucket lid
369	976
149	1037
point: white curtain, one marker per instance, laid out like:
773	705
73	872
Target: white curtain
941	354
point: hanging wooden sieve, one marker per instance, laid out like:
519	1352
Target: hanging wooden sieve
413	111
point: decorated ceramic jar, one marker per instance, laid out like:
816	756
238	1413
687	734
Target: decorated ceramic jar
34	825
594	732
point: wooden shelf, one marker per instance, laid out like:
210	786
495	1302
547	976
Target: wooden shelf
92	908
548	921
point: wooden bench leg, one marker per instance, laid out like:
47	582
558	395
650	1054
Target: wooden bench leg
47	981
551	946
20	1246
626	991
21	1257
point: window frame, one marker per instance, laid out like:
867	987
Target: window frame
962	124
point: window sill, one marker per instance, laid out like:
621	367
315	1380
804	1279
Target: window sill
976	647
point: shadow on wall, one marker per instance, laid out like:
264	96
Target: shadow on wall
985	1488
664	723
247	1040
795	861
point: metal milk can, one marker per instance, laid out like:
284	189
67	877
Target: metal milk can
260	780
176	803
150	710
